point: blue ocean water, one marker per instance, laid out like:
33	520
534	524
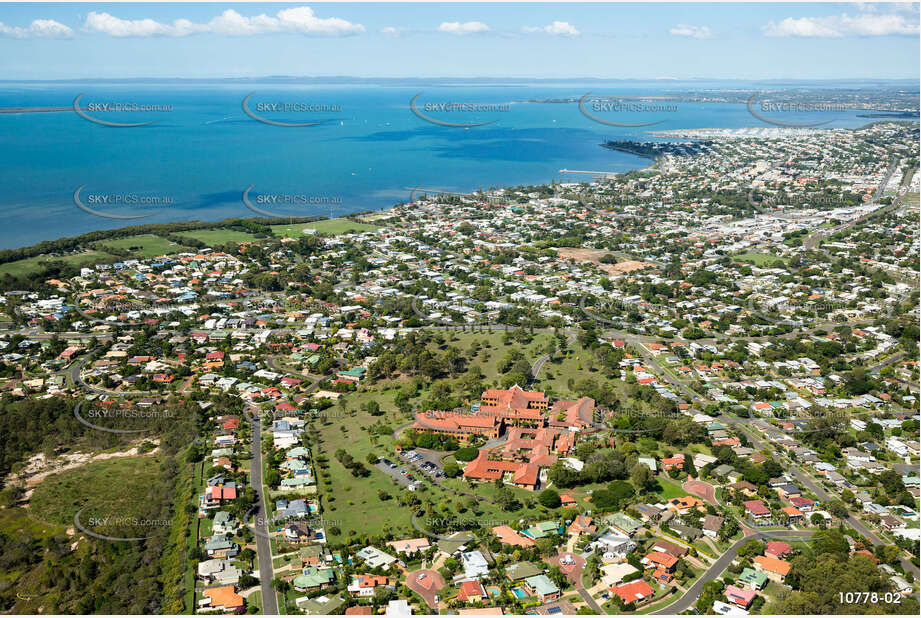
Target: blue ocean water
368	149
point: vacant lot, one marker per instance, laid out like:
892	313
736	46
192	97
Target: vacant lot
759	259
116	489
34	264
145	245
594	256
326	226
218	236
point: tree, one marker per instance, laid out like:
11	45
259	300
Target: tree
452	470
751	548
729	529
549	498
557	576
817	582
506	499
281	585
837	509
641	476
468	453
830	541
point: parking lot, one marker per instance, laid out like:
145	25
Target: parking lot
428	462
396	473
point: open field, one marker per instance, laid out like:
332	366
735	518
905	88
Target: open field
32	265
18	520
325	226
113	488
594	256
758	259
218	236
144	245
354	505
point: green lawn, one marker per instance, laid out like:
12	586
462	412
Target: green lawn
325	226
32	265
255	600
669	490
758	259
218	236
352	504
145	245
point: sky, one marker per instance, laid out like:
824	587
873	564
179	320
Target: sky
533	40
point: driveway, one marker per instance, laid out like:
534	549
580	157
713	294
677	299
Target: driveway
428	586
704	491
573	572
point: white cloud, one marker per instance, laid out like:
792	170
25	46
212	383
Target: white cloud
470	27
38	29
867	23
393	31
558	28
298	20
697	32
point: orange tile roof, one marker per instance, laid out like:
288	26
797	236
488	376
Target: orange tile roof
633	591
224	596
664	560
766	563
506	534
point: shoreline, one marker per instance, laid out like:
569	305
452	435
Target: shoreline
208	224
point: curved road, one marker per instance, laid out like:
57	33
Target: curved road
720	565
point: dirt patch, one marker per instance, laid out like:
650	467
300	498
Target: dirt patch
594	256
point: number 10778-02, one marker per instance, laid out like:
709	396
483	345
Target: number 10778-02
870	597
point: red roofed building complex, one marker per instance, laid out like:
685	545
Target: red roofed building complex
519	474
573	415
516	406
520	459
459	424
533	442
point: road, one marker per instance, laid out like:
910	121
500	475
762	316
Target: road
720	565
263	545
539	363
590	601
75	371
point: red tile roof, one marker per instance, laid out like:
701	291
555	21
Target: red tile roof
633	591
